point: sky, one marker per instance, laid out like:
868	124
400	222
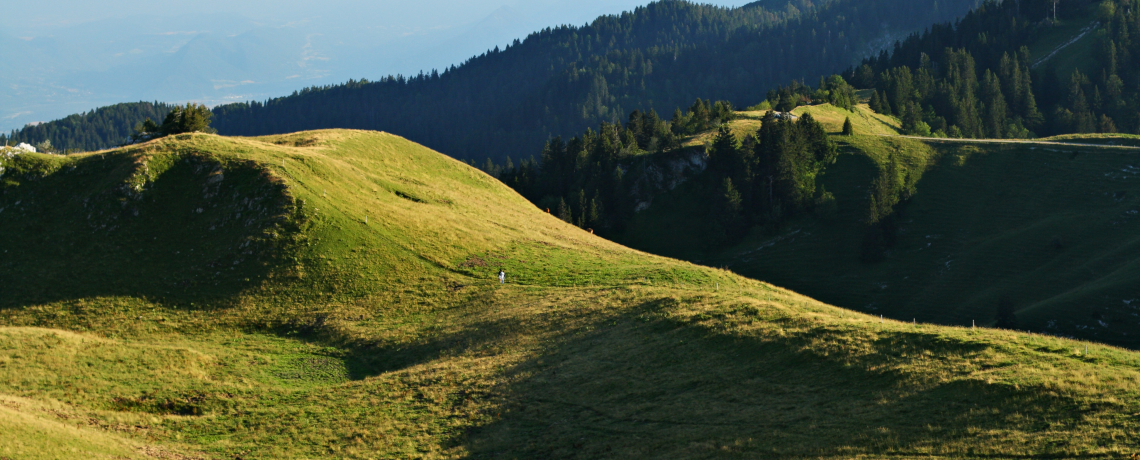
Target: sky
75	55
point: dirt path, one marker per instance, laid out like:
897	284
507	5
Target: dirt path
1079	36
1043	144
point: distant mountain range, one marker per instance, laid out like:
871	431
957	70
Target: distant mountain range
559	81
217	58
556	81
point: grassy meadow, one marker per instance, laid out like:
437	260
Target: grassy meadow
332	294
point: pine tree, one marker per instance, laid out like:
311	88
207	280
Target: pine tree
875	104
193	118
583	209
884	105
678	123
1082	117
730	209
899	89
1107	126
848	129
864	77
701	115
787	103
911	116
145	131
995	107
1033	117
489	168
564	211
595	213
722	153
961	86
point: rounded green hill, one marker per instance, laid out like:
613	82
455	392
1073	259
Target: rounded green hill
333	294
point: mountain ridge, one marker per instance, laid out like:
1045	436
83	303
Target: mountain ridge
600	84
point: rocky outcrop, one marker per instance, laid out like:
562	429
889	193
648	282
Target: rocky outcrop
659	173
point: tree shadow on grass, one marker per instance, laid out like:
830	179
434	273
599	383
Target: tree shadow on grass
647	385
120	226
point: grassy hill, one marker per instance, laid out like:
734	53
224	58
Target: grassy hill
333	294
1048	227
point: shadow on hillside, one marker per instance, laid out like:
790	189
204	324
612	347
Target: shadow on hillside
648	387
484	338
196	232
364	358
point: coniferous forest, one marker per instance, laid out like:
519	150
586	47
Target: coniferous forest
559	81
969	78
976	78
101	128
592	180
972	78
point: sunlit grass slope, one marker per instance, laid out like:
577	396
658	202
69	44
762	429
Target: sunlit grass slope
351	311
1104	139
34	430
863	120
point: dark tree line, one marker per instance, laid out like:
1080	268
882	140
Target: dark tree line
586	180
950	100
1108	98
767	176
560	81
101	128
833	90
193	118
976	78
759	180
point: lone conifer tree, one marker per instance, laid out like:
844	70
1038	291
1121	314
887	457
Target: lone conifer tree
876	104
564	211
848	129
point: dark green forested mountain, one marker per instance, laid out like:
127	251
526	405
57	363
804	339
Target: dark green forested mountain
974	77
561	80
597	179
978	78
101	128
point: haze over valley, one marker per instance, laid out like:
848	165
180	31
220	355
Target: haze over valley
67	57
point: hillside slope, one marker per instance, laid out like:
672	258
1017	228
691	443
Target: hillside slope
351	311
1045	225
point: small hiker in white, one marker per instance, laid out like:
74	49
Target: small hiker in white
502	276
